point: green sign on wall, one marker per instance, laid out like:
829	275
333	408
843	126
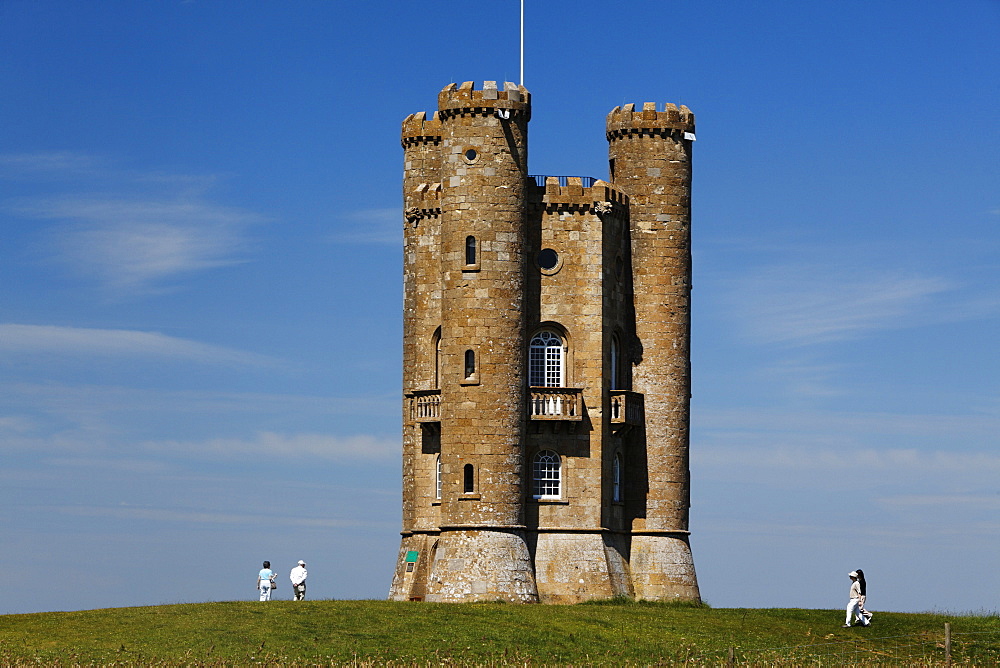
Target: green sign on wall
411	556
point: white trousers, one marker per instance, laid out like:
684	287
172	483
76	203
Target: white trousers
265	590
854	609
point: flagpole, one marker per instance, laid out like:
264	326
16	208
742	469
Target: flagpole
522	42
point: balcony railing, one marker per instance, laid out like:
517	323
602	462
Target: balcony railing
627	408
425	405
555	403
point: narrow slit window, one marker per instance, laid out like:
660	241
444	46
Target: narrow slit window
470	250
470	479
470	363
616	479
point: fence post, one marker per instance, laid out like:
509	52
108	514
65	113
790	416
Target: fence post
947	643
731	661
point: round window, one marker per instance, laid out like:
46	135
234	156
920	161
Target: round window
471	155
548	258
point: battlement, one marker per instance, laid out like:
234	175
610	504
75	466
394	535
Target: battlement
418	129
627	120
423	202
601	197
464	99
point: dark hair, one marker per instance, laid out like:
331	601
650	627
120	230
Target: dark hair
267	564
861	581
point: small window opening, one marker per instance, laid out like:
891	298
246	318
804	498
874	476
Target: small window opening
470	250
548	258
471	155
470	485
437	478
470	363
616	479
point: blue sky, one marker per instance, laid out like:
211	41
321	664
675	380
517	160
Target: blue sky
200	284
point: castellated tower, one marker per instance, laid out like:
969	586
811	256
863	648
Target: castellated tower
545	360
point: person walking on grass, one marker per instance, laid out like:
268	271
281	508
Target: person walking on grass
854	605
298	578
265	581
864	594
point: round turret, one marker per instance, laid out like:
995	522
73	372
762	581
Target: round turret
462	100
623	121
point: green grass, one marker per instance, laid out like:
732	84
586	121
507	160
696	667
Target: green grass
368	633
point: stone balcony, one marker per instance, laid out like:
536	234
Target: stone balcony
555	403
627	410
425	406
544	403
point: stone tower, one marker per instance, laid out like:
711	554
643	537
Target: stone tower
546	369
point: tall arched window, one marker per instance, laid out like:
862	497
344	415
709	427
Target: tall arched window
470	250
545	360
547	475
616	478
615	369
470	479
437	357
437	478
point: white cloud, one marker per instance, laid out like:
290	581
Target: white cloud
144	231
939	501
803	304
285	446
77	341
205	517
372	226
33	165
136	246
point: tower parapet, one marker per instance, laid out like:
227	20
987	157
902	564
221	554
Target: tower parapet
418	129
627	120
465	100
601	197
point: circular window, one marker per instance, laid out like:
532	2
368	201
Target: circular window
548	259
471	154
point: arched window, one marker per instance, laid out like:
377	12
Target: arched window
437	357
470	250
470	363
547	475
545	360
616	478
615	368
437	478
470	479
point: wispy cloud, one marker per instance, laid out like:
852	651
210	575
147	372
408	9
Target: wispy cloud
285	446
132	232
48	164
135	246
207	517
802	304
79	341
372	226
938	501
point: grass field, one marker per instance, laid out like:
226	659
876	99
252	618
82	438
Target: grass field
372	633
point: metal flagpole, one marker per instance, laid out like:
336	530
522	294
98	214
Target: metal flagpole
522	42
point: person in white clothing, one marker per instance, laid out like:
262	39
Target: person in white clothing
265	581
298	578
854	605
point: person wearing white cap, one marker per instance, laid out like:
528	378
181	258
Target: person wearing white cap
854	605
298	578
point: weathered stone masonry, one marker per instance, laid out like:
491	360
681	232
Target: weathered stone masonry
546	369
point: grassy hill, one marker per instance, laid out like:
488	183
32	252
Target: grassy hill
372	633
